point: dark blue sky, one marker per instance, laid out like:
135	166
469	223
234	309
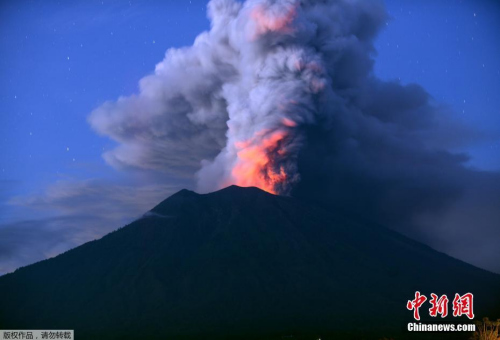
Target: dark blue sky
58	63
61	60
451	49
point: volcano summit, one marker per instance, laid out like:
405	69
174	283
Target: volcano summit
237	263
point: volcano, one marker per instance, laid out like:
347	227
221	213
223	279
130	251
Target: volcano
239	263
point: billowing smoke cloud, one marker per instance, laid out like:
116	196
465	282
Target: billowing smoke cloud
281	94
237	99
75	212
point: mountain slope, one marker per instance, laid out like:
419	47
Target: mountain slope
236	262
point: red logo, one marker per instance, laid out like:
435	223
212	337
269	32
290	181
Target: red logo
415	304
462	305
439	306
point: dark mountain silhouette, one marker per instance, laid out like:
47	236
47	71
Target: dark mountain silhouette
238	263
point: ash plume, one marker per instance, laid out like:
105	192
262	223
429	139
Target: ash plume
236	101
281	94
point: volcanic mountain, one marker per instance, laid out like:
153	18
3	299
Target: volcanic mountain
238	263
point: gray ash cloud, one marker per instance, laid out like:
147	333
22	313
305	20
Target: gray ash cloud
294	81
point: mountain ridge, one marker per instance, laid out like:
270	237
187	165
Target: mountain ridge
238	261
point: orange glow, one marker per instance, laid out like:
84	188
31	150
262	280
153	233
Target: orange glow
256	164
289	122
270	23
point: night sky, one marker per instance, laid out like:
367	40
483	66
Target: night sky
59	61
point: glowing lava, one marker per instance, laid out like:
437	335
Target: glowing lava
257	162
